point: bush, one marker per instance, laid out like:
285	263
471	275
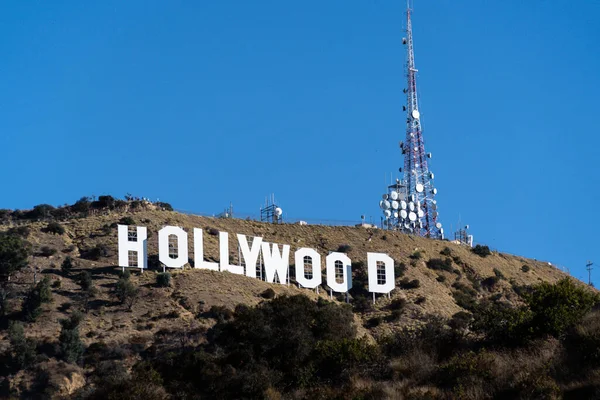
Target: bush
374	322
126	292
213	232
446	251
95	253
405	283
399	269
54	228
557	307
22	350
14	253
395	315
268	294
39	294
421	300
220	313
397	304
440	265
67	265
126	221
499	274
362	304
525	268
46	251
490	282
460	320
441	278
71	347
344	248
164	206
481	251
163	279
84	279
416	255
464	300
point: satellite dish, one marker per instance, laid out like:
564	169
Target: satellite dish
412	216
467	227
387	213
421	213
441	231
414	171
435	214
381	203
413	197
431	175
411	206
403	214
385	196
395	214
403	205
386	204
434	191
394	195
420	187
428	155
434	206
406	225
416	148
399	169
415	114
395	205
278	211
438	225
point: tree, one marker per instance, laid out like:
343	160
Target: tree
71	348
84	279
38	295
556	307
126	292
54	228
67	265
22	349
14	252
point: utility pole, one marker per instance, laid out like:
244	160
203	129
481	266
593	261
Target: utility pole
588	266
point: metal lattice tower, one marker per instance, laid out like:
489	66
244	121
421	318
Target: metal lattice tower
410	204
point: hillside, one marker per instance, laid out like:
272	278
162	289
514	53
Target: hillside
446	285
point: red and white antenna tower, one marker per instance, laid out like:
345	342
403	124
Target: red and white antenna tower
410	204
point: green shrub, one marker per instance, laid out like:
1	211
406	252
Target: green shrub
46	251
490	282
84	279
464	300
525	268
220	313
67	265
397	304
164	206
441	278
95	253
22	350
54	228
395	315
481	251
405	283
362	304
374	322
557	307
499	274
460	320
344	248
126	221
14	253
163	279
420	300
39	294
446	251
71	347
417	255
502	324
126	292
399	269
268	294
440	265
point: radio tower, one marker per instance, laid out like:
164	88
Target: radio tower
410	205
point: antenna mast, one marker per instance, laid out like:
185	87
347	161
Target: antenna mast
588	266
410	205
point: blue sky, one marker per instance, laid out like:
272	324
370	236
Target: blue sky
201	103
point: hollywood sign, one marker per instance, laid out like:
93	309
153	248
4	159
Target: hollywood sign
380	266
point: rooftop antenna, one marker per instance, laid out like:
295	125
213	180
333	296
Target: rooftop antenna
409	205
588	266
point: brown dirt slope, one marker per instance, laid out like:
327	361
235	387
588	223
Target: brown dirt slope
194	291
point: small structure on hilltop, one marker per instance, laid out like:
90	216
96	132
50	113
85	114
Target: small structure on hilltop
271	212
